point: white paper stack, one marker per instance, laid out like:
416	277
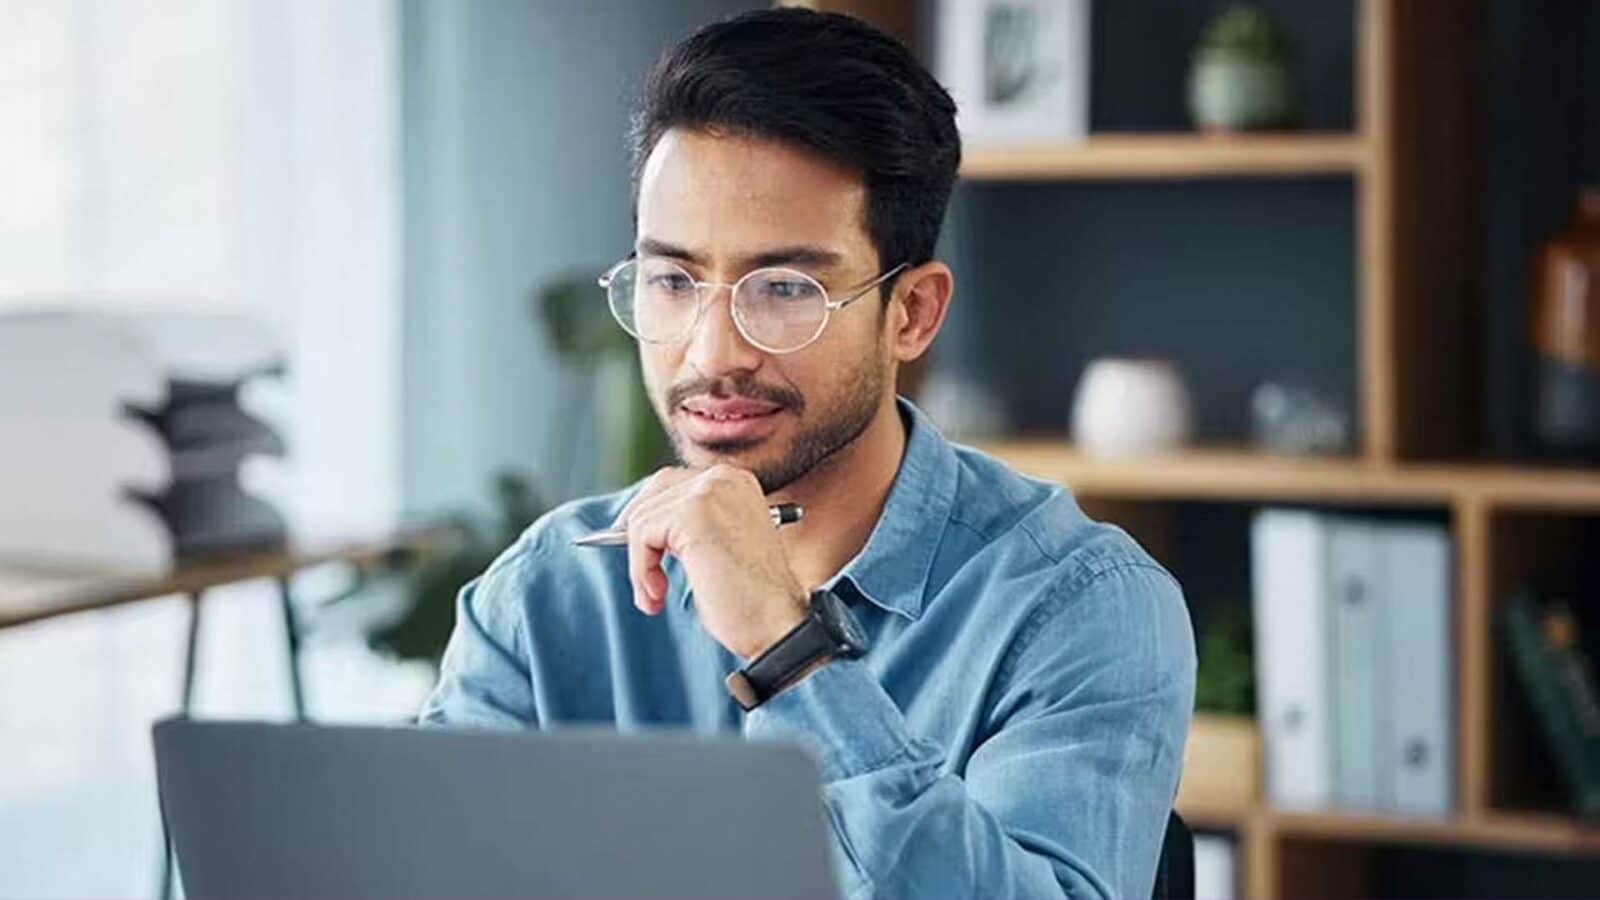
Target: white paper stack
68	455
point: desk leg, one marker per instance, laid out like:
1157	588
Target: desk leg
189	653
191	645
292	633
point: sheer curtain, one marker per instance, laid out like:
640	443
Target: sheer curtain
232	154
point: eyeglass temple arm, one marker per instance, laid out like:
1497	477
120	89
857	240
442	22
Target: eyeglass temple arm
860	292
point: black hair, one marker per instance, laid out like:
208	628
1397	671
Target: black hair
827	82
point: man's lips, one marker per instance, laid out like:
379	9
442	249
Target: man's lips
711	420
721	408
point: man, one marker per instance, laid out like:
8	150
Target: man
998	688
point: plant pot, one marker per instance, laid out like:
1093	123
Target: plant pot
1221	765
1232	91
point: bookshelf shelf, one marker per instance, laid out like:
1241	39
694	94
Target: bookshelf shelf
1212	817
1222	795
1545	834
1216	474
1502	832
1170	156
1249	475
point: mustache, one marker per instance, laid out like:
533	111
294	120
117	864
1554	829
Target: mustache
740	385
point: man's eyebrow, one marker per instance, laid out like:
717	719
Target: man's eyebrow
798	255
652	247
801	255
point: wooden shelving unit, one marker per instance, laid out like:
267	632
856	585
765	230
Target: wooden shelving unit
1114	157
1414	158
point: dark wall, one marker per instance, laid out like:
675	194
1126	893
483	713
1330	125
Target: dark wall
1542	130
1236	281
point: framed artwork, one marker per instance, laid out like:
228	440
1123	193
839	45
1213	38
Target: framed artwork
1018	69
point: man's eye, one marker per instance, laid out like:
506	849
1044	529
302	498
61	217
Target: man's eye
786	290
672	282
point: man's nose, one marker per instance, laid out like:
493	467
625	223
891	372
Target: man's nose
716	346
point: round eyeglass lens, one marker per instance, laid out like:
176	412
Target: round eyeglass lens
780	309
654	300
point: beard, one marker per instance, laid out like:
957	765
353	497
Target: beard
830	430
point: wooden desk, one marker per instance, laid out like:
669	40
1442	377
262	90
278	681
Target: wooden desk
31	594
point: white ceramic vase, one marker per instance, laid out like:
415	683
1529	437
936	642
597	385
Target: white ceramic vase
1130	407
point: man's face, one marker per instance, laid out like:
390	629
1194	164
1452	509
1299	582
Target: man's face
720	206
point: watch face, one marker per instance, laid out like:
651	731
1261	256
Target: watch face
843	624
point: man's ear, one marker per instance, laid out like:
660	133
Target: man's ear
921	300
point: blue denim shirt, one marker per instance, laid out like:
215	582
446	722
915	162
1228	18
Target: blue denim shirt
1016	729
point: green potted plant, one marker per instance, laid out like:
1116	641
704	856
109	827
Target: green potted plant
430	588
1222	760
1241	76
1225	682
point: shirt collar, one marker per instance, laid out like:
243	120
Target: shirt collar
892	570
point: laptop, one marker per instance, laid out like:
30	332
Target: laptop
310	811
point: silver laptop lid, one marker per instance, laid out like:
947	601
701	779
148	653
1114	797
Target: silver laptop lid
297	810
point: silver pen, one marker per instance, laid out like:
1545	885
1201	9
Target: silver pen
782	514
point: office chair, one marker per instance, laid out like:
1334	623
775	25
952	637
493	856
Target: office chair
1175	867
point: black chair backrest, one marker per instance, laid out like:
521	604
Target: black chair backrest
1175	868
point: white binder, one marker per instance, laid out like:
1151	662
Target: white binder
1420	756
1289	550
1360	658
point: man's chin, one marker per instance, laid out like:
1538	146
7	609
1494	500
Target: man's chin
726	451
742	453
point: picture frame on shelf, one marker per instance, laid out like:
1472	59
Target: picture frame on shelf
1017	69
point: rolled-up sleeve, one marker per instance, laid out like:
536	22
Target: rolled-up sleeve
1068	792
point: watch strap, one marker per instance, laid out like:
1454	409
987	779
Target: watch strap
780	664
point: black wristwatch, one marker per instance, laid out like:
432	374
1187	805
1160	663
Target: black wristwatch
828	632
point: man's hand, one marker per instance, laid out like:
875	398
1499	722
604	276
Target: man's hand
717	523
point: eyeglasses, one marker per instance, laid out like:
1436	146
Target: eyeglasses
778	310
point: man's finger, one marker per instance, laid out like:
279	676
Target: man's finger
647	543
660	480
672	492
